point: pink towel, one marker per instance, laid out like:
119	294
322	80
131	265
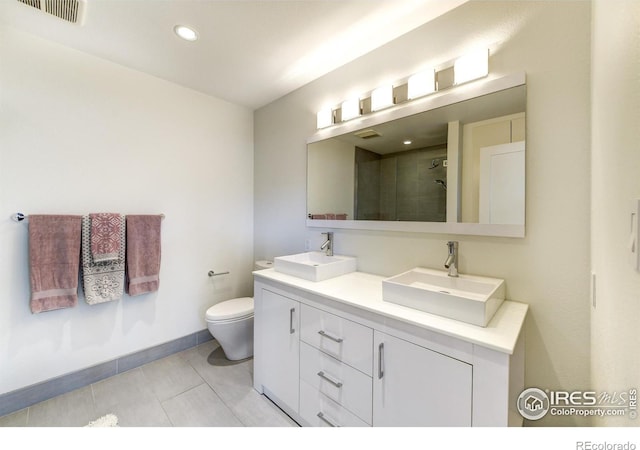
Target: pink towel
105	236
54	259
143	254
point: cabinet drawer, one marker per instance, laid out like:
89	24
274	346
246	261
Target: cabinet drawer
343	339
318	410
342	383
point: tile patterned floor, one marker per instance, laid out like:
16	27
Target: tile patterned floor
198	387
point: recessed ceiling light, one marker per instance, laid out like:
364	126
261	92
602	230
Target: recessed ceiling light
407	142
186	33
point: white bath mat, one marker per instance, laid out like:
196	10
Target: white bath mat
110	420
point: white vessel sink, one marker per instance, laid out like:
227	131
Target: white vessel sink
467	298
314	266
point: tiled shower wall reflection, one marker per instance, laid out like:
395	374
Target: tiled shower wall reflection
408	185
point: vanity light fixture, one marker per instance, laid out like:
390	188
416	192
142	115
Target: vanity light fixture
186	33
382	97
350	109
466	68
324	118
421	84
471	66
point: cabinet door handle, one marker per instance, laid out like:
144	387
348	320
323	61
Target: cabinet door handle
291	329
326	420
328	336
380	361
322	375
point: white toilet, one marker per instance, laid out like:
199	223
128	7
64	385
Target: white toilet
231	323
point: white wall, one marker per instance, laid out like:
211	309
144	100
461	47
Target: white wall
549	269
615	336
79	134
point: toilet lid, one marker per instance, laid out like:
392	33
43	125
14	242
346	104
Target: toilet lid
231	309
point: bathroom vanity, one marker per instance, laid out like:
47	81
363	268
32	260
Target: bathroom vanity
333	353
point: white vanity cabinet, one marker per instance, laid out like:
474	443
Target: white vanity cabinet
332	353
277	351
417	387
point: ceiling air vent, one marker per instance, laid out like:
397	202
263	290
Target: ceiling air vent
69	10
367	134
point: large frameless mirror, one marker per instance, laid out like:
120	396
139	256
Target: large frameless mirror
452	164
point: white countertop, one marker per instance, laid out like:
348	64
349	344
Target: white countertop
364	290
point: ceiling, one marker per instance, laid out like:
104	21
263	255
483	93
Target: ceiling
248	52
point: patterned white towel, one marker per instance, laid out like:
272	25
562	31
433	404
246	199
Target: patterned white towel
103	281
105	236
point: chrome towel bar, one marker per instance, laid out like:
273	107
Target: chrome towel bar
19	217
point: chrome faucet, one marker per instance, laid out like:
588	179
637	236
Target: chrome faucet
452	259
328	244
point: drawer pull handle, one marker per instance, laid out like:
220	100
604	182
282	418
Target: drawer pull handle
328	336
327	421
380	361
322	375
291	329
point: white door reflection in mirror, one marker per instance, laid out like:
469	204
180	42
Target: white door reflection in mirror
502	184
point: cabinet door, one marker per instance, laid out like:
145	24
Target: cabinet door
280	346
415	386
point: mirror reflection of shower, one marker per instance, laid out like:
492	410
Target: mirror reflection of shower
406	185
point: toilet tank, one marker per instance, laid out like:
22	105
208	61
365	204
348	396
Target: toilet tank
263	264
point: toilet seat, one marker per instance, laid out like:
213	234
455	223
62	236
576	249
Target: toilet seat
231	310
